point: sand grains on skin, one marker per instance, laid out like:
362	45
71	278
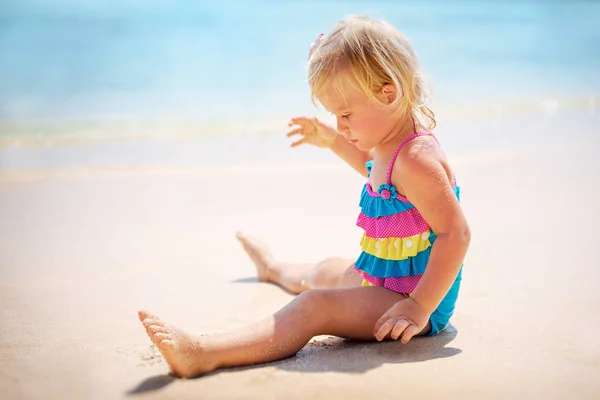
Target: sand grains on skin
182	352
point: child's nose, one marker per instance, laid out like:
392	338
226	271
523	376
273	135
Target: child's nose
342	127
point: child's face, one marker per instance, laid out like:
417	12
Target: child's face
362	121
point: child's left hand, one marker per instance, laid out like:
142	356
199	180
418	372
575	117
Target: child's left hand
404	319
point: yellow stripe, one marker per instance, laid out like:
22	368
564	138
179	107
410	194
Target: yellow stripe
395	248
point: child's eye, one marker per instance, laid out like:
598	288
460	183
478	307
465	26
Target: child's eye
346	115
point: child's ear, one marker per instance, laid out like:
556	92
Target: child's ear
389	93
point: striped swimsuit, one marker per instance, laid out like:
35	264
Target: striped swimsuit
397	242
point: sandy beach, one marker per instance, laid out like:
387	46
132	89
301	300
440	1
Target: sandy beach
84	245
136	139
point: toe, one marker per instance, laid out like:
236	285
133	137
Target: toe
148	326
244	238
157	329
166	344
142	315
150	321
160	336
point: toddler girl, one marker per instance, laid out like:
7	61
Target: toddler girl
406	280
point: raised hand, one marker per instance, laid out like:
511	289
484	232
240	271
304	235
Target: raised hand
312	131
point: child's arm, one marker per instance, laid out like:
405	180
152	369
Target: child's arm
322	135
355	157
425	183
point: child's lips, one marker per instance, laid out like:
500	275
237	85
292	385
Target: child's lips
347	139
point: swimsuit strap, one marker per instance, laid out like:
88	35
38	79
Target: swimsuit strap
388	178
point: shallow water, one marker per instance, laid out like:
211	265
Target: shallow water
119	65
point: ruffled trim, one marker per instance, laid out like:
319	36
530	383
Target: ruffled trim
376	207
404	224
396	248
399	284
394	193
380	268
386	201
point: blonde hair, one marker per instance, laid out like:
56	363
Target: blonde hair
375	54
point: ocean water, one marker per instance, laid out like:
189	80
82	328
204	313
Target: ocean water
130	66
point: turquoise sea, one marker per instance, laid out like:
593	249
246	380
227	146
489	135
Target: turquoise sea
68	63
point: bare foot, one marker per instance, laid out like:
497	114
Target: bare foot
182	352
259	254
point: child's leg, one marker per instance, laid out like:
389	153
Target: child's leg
329	273
344	312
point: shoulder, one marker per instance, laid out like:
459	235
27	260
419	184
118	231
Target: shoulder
419	157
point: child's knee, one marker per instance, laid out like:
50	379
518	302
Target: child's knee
313	302
327	273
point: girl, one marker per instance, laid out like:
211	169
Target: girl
416	236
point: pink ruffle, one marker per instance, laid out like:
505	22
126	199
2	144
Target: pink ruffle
405	224
399	284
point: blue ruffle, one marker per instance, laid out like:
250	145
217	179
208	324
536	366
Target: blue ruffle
375	207
380	268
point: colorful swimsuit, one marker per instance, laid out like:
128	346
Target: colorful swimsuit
397	242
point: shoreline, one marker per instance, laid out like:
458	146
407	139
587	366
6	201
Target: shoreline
465	143
109	129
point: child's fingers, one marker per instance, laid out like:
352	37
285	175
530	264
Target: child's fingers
317	121
409	332
297	131
298	142
385	329
298	121
379	324
399	327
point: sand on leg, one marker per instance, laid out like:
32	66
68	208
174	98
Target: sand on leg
344	312
296	277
